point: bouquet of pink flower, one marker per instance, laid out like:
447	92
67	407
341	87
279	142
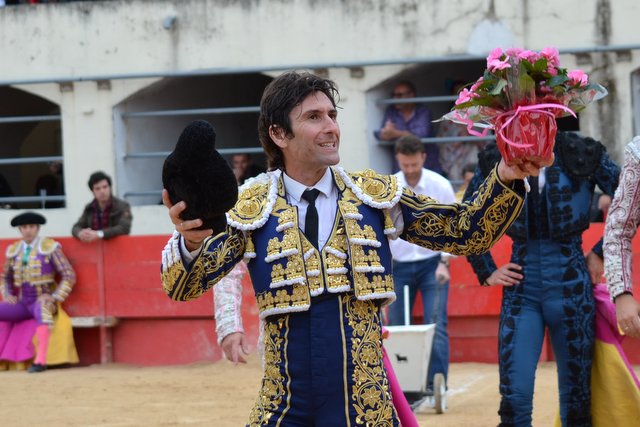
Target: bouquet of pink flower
520	95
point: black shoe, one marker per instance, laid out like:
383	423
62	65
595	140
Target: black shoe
36	367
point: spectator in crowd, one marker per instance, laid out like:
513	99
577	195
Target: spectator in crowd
454	155
548	282
51	184
29	289
423	270
105	216
409	118
244	167
467	175
316	238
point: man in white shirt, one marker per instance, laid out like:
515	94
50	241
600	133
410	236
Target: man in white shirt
422	270
315	237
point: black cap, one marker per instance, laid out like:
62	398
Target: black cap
28	218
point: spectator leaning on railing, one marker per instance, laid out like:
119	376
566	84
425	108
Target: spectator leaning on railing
105	216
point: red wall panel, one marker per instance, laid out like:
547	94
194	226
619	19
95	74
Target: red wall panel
121	278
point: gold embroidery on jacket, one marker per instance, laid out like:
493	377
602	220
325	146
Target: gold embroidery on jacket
381	188
370	395
490	227
215	256
251	203
289	273
312	267
275	387
284	299
336	259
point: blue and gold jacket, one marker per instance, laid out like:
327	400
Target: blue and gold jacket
287	271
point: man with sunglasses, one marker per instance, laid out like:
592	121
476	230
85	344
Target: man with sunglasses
409	118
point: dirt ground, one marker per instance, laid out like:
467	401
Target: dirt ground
216	394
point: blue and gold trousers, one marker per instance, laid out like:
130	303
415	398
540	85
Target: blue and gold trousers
323	367
556	293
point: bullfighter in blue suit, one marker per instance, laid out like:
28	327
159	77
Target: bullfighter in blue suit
315	237
548	281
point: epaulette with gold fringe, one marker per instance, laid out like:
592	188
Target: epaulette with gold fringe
14	249
373	189
256	199
47	246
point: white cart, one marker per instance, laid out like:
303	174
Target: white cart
409	349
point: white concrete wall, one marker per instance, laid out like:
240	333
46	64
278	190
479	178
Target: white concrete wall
84	40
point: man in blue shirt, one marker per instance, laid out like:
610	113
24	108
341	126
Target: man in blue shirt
408	118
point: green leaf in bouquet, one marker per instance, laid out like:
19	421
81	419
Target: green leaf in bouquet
526	83
540	65
498	87
557	80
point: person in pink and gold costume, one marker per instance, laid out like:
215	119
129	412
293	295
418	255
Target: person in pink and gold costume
29	289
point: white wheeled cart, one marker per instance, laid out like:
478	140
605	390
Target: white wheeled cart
409	349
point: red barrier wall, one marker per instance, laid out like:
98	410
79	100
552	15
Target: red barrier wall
121	278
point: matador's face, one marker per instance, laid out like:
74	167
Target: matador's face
29	232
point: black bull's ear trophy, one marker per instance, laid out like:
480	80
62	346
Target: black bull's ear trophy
196	173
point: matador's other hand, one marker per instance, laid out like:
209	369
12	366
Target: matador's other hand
49	302
235	348
193	238
442	273
628	315
507	275
595	265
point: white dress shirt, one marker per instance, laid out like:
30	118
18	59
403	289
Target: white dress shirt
326	203
431	184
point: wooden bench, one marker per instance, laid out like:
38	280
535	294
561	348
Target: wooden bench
104	323
94	321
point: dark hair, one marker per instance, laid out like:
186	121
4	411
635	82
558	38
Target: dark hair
408	84
96	177
408	145
279	98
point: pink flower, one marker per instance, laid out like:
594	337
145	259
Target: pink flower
513	52
552	70
465	95
476	85
496	64
529	55
578	77
552	55
495	54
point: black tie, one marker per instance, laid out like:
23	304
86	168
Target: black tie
311	220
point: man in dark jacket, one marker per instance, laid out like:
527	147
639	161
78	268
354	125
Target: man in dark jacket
106	216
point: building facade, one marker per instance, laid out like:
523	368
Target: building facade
109	85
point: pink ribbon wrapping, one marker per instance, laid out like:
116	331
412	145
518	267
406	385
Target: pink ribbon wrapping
470	124
537	108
